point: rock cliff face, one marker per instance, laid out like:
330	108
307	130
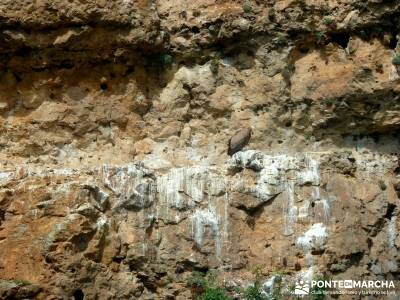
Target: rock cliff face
115	118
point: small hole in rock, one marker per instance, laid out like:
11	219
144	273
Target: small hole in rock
280	142
131	69
78	295
304	50
341	38
24	51
375	137
351	159
250	53
390	210
369	243
288	124
103	86
195	29
67	65
393	42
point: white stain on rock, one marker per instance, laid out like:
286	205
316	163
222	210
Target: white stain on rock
182	189
129	183
314	238
203	219
201	194
392	231
5	176
281	174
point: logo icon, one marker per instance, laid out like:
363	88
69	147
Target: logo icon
302	288
348	284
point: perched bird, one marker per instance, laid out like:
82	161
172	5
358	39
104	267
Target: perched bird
239	140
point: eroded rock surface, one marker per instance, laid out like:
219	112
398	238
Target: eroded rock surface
115	118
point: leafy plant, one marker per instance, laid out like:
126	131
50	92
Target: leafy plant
254	291
328	102
214	66
214	293
328	21
277	292
205	287
361	5
321	37
247	8
282	272
308	135
166	59
161	61
280	40
197	279
324	8
317	293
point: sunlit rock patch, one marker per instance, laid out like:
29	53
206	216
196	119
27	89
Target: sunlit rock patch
204	215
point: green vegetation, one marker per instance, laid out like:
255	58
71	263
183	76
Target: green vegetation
321	37
253	292
325	10
21	282
166	59
328	21
280	41
214	66
396	59
327	103
362	6
214	293
205	287
247	8
308	135
161	61
197	279
317	293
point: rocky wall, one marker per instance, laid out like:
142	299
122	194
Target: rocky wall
114	122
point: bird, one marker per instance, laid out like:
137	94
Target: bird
239	140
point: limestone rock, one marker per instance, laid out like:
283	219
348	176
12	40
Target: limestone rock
114	122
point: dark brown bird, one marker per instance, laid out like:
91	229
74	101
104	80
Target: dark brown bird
239	140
